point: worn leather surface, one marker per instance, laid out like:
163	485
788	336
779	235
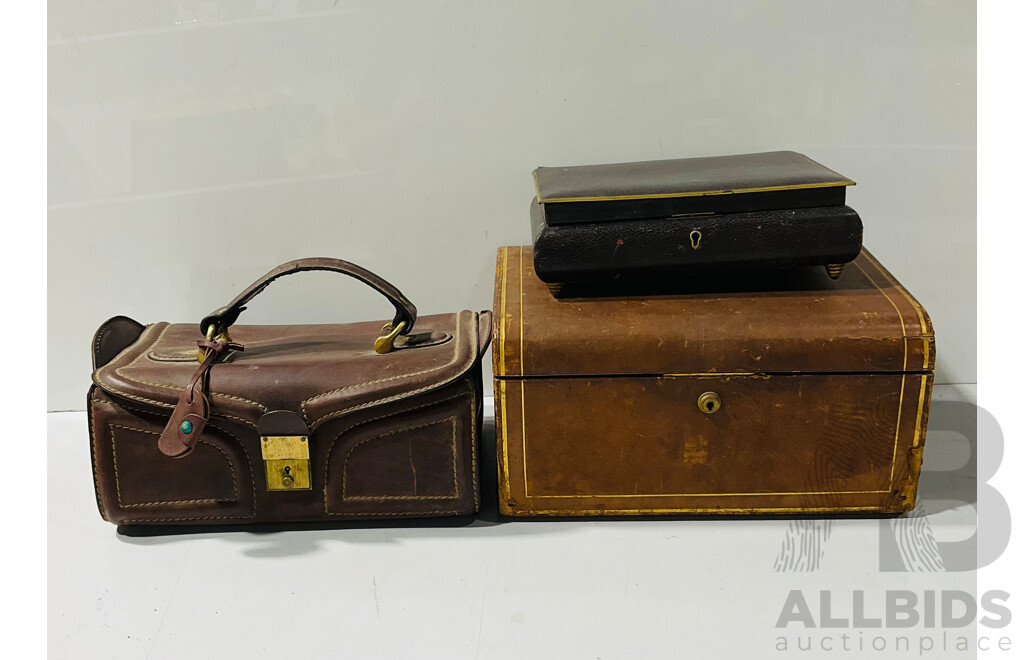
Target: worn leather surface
112	337
224	317
779	444
798	321
824	388
664	247
746	182
400	429
224	480
320	371
192	410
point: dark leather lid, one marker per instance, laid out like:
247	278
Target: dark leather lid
745	173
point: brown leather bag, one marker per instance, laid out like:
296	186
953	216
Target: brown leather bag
287	423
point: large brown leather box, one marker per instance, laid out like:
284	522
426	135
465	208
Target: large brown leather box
307	423
784	393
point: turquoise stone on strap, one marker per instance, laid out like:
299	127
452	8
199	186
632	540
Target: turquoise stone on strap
186	427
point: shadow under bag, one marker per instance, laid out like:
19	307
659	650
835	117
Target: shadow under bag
223	424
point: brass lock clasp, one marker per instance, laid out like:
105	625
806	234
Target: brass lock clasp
286	458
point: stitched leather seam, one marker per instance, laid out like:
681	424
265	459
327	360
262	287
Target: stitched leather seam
248	463
191	356
117	482
176	388
386	498
370	404
400	513
95	473
472	450
381	498
164	405
338	413
241	445
143	504
166	357
455	358
396	514
99	338
156	520
96	344
327	461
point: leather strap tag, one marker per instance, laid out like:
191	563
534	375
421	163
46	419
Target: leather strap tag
181	435
182	432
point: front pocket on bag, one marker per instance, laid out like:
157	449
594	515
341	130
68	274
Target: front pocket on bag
417	462
145	477
137	484
421	461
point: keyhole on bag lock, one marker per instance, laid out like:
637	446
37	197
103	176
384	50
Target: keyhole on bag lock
695	237
287	480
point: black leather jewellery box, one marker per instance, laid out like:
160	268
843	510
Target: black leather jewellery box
689	216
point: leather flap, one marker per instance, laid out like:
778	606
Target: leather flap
319	372
716	175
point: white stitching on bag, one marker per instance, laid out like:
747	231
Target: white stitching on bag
368	404
324	418
117	482
327	460
385	498
241	445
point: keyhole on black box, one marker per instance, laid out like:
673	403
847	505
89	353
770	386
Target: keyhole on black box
695	237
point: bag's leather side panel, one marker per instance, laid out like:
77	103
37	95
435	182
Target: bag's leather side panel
143	480
780	444
421	461
416	458
115	335
135	483
373	469
484	322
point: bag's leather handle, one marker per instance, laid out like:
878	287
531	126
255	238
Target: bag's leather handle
226	316
192	411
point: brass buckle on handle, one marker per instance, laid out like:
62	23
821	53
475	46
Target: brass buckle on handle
210	330
386	341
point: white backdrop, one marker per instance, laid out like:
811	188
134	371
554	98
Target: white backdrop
195	144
